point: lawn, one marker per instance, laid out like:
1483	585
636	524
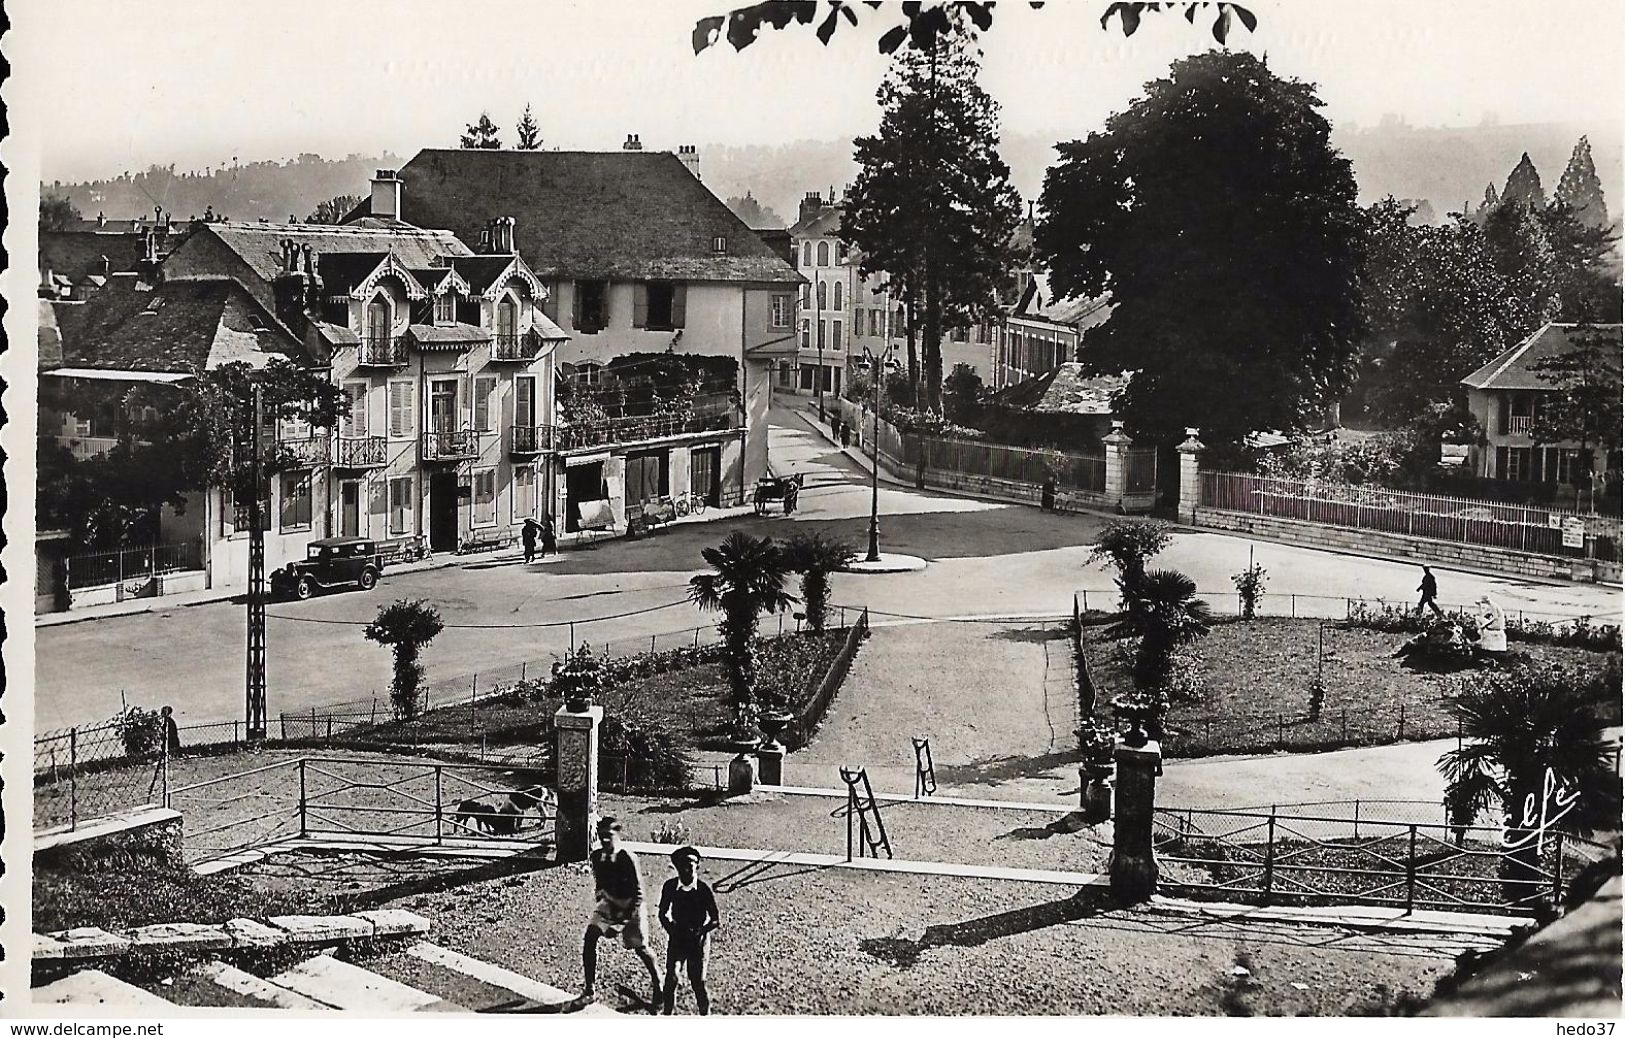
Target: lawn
1254	679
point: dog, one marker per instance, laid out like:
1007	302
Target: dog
505	814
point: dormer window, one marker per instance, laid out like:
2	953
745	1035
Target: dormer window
445	308
719	245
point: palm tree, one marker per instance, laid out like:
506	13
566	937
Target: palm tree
1163	612
815	557
747	580
406	627
1529	732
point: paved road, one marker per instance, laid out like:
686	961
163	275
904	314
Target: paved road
987	559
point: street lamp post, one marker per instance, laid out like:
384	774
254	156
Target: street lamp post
876	373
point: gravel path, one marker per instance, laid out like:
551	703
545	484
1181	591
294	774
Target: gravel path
800	941
996	701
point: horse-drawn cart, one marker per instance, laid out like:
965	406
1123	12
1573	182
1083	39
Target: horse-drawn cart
777	488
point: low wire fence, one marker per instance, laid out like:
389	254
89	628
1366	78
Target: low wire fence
85	773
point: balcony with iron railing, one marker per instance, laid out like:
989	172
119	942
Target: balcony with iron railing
309	451
647	427
516	346
382	351
360	452
451	445
531	439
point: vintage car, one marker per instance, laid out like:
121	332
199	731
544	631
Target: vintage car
330	562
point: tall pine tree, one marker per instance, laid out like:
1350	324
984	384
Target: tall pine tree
1523	185
530	135
1580	188
932	205
482	134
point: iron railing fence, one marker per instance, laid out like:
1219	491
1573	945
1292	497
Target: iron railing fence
650	427
89	772
531	439
1285	604
1291	857
450	443
382	351
1526	528
1013	464
132	566
360	452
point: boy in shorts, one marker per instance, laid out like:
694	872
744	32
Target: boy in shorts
618	888
688	911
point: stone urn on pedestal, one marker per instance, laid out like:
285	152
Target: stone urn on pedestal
743	741
578	679
1141	713
770	756
1095	768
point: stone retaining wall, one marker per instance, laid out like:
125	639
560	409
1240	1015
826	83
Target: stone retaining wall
1421	549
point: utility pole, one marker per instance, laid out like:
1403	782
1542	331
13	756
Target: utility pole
876	375
256	583
818	320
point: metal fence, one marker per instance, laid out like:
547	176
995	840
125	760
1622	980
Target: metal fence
1288	604
1527	528
85	773
1328	855
1013	464
96	569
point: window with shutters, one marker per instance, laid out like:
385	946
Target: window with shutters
657	305
401	423
782	307
355	423
295	504
485	388
485	497
837	295
400	505
524	492
874	322
806	335
835	339
591	309
524	400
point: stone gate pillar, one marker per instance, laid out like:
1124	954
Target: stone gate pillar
1117	443
1133	864
1190	478
577	754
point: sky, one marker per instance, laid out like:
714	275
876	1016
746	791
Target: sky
198	82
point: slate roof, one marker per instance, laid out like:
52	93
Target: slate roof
481	271
1066	389
342	271
180	326
260	244
1038	303
823	223
447	336
1514	369
76	254
620	214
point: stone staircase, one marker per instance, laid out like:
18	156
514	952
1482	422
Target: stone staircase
423	978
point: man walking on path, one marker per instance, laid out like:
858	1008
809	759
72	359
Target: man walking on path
1430	593
618	887
688	911
527	535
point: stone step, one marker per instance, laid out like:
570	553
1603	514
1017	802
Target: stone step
95	988
491	988
343	985
255	990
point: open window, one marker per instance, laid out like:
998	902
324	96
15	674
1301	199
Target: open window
591	310
658	305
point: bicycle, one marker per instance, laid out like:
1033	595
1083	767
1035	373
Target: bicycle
686	503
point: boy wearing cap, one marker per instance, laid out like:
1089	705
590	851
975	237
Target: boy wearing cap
688	911
618	888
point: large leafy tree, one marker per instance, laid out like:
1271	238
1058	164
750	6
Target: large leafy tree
1218	216
932	205
57	213
1584	405
923	23
746	580
481	134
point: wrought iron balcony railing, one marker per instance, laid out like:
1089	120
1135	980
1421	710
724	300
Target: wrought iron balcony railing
446	446
531	439
360	452
304	451
649	427
515	346
382	351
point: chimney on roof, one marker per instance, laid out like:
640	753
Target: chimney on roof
632	143
497	238
690	154
291	288
811	203
386	195
101	220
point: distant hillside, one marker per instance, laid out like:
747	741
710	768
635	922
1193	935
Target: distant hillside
1444	166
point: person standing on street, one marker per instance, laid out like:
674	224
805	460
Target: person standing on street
688	911
1430	593
550	541
527	536
618	888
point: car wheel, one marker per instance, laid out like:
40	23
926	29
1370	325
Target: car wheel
305	589
369	579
